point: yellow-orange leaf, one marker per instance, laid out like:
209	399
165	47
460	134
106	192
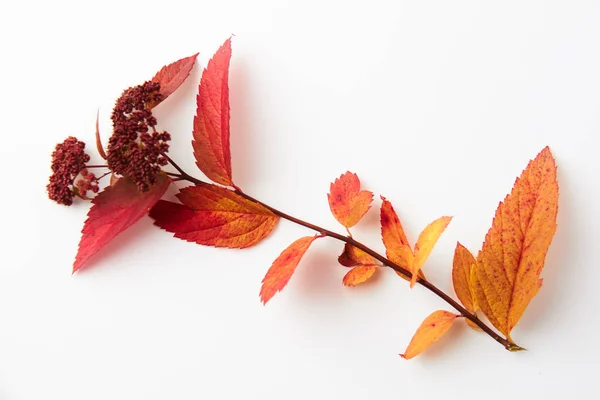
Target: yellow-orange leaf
353	256
506	276
461	279
461	276
358	275
347	202
425	243
431	329
283	268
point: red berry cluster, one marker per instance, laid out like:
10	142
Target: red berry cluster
88	181
68	160
136	149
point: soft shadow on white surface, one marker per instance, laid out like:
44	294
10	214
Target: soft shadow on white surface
436	105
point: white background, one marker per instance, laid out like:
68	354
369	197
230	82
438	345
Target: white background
436	105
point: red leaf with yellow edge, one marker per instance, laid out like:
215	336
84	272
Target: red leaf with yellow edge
359	274
171	76
214	216
347	202
431	329
506	276
283	268
425	243
211	123
462	265
113	210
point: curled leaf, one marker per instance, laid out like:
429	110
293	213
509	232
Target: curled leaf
283	268
363	263
215	216
347	202
431	329
506	275
99	146
171	76
113	210
211	123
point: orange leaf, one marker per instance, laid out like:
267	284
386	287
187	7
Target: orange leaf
463	263
114	210
353	256
359	274
215	216
211	123
461	276
283	268
431	329
506	276
425	243
171	76
397	247
347	202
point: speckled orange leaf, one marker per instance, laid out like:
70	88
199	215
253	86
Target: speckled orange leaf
211	123
359	274
283	268
506	276
461	279
425	243
397	247
347	202
214	216
431	329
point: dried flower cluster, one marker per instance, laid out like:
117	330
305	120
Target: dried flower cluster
136	149
68	161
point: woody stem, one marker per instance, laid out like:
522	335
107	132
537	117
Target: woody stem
385	261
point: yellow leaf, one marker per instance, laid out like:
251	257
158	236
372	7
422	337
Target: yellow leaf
506	276
358	275
425	243
431	329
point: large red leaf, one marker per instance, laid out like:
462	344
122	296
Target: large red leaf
115	209
214	216
211	123
171	76
283	268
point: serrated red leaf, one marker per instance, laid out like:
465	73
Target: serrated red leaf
283	268
114	210
347	202
214	216
171	76
211	122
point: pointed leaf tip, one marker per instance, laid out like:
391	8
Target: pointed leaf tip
515	247
283	268
431	330
171	76
215	216
211	123
114	210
